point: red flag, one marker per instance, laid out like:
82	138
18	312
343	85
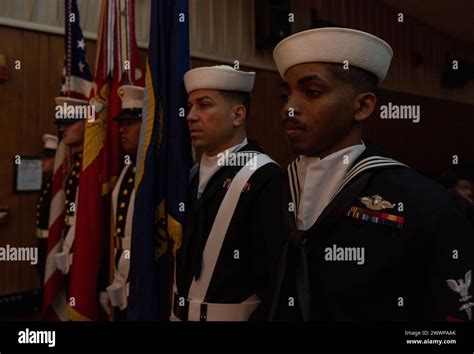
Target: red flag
116	62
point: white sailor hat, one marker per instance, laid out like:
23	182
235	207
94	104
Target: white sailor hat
334	45
132	102
50	144
69	101
131	96
220	77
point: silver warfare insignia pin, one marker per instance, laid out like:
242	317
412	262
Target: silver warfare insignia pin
376	202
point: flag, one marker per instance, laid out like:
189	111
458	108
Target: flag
54	300
77	78
122	68
116	62
163	161
76	83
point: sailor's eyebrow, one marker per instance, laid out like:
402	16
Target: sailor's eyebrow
304	80
200	99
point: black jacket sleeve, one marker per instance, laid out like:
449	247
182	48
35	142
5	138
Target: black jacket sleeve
453	254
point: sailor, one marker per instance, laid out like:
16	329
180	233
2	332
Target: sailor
372	239
460	181
123	197
232	231
72	129
50	145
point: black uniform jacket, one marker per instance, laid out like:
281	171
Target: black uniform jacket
416	266
253	240
44	202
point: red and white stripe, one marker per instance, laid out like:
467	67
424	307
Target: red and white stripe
78	87
54	303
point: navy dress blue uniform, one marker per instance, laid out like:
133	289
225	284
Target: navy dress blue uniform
419	254
254	232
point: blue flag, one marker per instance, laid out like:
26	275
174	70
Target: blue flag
163	162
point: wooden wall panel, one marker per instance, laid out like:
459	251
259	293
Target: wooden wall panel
224	30
10	133
299	9
445	129
407	39
26	113
31	67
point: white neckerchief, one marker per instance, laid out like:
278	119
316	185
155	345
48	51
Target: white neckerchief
319	179
208	166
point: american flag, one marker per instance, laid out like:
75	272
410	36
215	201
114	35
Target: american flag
77	78
54	302
76	83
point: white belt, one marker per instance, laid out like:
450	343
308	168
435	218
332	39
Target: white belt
124	243
186	310
40	233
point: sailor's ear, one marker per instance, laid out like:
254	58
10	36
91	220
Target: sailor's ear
239	113
364	105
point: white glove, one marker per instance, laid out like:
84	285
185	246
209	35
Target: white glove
63	261
105	302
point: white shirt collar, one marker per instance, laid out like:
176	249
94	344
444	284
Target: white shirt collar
209	166
319	179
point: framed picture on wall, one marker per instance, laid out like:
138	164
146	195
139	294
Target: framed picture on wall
27	174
